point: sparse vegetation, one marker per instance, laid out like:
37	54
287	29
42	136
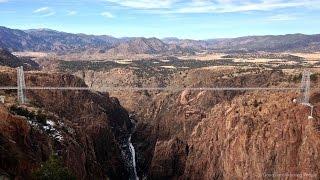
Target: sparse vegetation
288	57
39	117
255	103
146	66
53	169
314	77
295	78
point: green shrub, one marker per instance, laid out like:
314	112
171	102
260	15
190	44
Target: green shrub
53	169
255	103
22	112
296	78
314	77
41	118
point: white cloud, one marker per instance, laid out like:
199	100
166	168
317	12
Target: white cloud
107	15
41	10
213	6
144	4
72	13
44	11
233	6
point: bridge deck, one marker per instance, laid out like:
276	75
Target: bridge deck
161	88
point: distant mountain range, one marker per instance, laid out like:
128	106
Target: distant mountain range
47	40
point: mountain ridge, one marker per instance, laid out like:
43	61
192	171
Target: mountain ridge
8	59
48	40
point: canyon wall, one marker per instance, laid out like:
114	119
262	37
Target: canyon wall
85	129
227	134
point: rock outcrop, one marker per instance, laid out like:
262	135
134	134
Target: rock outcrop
86	129
8	59
21	146
237	135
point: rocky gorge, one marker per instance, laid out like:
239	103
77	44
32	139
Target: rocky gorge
221	135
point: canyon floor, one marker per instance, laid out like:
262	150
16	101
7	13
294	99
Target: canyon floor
181	134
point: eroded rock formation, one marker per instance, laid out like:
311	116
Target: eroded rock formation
86	129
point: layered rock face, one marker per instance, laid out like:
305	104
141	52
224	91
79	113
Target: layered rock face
268	139
227	134
86	129
21	147
250	135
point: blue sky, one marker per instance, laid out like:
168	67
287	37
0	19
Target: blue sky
194	19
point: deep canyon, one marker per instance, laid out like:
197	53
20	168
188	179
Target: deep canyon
219	135
185	134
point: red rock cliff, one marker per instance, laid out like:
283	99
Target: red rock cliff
91	124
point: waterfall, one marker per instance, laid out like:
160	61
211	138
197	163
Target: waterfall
129	155
128	152
133	156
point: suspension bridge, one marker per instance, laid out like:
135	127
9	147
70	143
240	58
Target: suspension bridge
303	99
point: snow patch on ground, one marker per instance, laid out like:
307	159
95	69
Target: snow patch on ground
48	128
51	123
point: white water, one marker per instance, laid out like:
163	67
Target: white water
133	154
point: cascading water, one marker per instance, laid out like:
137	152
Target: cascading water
133	155
129	155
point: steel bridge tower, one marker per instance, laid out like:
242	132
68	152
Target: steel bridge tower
304	98
21	85
305	88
